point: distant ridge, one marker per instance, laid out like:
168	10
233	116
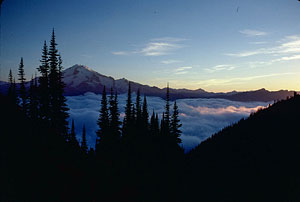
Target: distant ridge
80	79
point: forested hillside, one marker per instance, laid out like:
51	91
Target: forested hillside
256	159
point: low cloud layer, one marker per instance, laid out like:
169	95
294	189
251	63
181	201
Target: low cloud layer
200	118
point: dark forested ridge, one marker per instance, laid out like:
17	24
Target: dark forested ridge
256	159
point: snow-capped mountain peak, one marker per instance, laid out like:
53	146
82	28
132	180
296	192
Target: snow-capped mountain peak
83	77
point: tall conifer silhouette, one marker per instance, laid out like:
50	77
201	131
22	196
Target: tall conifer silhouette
43	89
58	108
84	147
175	124
145	115
22	90
73	140
103	123
166	116
129	115
32	100
114	119
11	93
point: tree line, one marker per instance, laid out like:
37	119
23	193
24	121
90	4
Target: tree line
44	101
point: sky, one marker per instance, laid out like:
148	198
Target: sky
215	45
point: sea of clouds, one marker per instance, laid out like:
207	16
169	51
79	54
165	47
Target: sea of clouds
200	118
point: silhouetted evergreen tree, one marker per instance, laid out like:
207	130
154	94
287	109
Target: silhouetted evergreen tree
58	108
165	127
154	124
10	80
73	140
162	125
138	110
32	100
175	124
12	94
22	90
43	89
129	115
63	108
145	116
114	120
103	123
84	147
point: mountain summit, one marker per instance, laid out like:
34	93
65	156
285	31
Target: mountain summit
80	79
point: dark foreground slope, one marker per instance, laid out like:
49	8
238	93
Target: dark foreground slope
257	159
35	163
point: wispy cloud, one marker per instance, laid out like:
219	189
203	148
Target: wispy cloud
156	47
120	53
182	70
252	33
254	64
238	80
169	39
294	57
159	48
245	53
220	68
258	42
288	45
170	61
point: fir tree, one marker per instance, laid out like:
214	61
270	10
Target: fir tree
166	116
58	108
156	124
145	115
53	82
22	90
73	140
138	109
63	108
175	124
162	125
103	123
10	80
12	95
43	89
32	97
84	147
152	124
114	118
128	119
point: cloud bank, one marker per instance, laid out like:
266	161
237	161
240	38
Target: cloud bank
200	118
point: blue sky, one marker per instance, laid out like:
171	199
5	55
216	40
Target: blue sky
210	44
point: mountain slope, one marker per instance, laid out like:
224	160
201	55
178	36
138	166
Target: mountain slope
256	159
80	79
